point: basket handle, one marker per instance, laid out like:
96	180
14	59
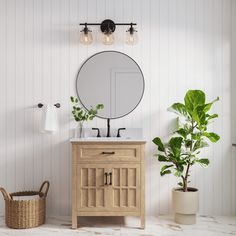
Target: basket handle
5	194
47	187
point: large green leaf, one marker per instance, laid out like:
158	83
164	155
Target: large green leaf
203	162
208	106
175	144
162	158
196	136
159	143
199	144
199	113
213	137
210	117
193	99
179	167
165	170
199	116
183	132
179	109
99	106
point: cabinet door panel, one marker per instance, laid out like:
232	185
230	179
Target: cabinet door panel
125	190
91	188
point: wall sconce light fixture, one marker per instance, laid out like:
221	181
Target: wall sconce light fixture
86	36
108	28
131	37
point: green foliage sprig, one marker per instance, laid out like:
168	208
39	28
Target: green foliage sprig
183	149
80	113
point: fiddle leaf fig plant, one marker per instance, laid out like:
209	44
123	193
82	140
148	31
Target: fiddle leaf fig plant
182	151
80	114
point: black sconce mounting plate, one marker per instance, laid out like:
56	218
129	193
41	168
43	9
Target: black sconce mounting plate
108	26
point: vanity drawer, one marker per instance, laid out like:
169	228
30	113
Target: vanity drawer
108	153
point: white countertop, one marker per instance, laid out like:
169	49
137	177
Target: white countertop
105	139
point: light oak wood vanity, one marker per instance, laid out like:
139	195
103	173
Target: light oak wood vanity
108	179
108	174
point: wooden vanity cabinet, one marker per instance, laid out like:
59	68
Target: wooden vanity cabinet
108	179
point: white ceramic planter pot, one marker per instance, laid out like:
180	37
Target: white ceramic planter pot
185	205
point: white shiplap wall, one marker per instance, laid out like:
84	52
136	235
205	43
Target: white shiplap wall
233	100
184	44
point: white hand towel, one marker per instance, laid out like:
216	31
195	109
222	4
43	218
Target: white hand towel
19	198
49	119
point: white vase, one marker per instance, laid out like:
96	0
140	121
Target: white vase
185	205
79	130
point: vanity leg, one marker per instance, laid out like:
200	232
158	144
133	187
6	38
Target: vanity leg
74	222
142	221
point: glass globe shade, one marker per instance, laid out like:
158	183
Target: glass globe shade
86	38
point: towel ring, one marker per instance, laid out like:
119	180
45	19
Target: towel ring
57	105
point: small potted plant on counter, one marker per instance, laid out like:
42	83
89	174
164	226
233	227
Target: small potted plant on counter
81	115
183	151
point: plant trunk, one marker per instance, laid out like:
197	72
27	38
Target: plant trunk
185	180
185	185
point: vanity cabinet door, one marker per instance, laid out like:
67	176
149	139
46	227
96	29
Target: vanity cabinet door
92	189
110	188
125	187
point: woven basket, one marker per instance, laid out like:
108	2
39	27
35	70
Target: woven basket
24	214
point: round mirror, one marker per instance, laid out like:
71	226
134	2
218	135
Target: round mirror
113	79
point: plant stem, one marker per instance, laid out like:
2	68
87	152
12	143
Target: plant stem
185	179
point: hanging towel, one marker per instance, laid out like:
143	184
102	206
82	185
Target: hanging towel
49	119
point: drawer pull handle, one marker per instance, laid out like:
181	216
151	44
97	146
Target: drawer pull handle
112	153
110	174
106	174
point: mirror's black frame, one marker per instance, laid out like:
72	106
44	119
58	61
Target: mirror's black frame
122	54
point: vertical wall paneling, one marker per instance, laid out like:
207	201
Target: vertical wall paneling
55	97
218	162
226	101
233	102
37	93
184	44
19	94
164	91
28	93
3	97
208	60
154	124
11	94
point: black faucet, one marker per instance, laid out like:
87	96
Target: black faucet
118	132
108	128
98	135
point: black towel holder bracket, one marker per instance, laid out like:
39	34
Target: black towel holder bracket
57	105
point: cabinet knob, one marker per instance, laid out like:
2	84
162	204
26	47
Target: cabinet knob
106	175
110	174
111	153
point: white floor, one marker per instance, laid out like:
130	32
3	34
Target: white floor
161	226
